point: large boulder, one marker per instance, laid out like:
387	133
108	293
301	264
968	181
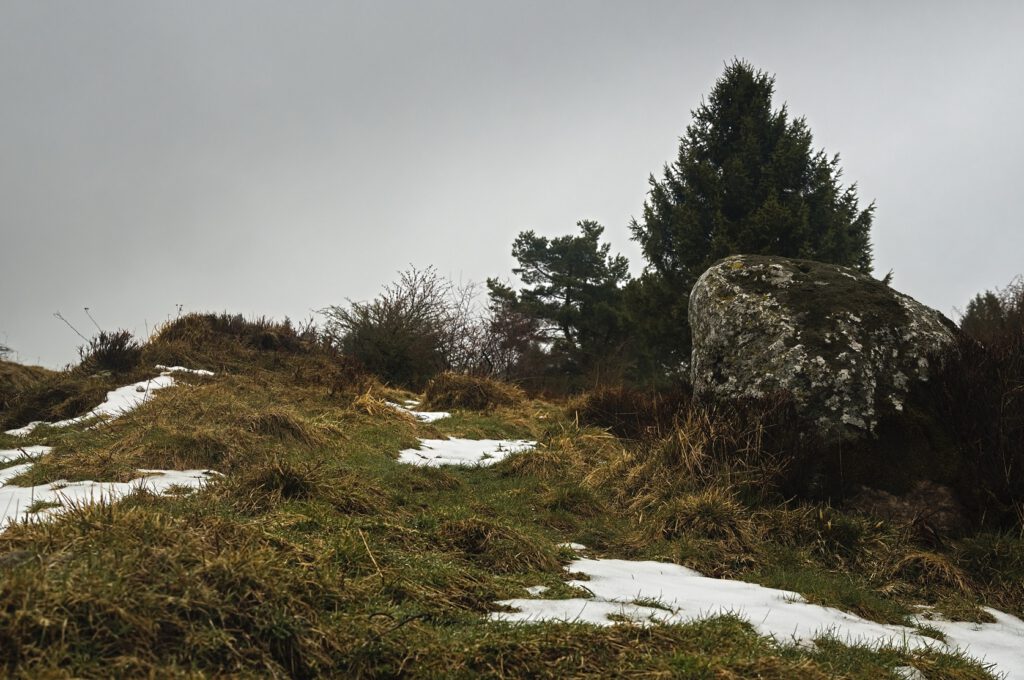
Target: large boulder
847	348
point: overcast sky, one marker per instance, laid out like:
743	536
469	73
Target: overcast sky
276	157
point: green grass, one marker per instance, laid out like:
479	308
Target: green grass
318	555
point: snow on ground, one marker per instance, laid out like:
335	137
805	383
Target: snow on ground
47	500
23	453
464	452
422	416
660	592
182	369
17	502
119	401
573	546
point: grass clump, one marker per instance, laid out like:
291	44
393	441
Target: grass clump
57	396
930	569
16	378
125	590
464	391
271	483
285	425
223	342
710	514
573	499
498	547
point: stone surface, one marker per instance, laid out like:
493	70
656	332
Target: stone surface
844	346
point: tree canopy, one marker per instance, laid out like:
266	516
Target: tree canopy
746	180
572	286
992	316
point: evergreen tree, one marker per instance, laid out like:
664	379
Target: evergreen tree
993	316
573	287
746	180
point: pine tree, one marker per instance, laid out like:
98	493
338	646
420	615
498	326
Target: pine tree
573	288
746	180
994	316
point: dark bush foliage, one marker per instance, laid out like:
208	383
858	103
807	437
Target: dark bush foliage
979	397
117	352
628	412
417	327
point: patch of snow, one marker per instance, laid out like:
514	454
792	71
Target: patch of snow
537	590
24	452
15	501
572	546
422	416
430	416
1000	643
9	473
118	402
464	452
620	587
182	369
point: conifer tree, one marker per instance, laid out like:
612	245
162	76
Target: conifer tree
746	180
573	289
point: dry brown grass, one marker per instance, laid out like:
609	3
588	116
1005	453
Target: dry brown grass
712	513
270	483
931	569
17	378
140	591
284	424
497	547
449	391
564	452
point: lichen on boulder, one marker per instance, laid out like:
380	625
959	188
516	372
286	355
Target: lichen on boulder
845	347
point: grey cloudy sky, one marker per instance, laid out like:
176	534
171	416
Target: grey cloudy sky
275	157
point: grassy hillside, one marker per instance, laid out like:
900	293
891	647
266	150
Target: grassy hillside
16	378
316	554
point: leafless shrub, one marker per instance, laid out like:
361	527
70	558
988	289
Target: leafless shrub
418	326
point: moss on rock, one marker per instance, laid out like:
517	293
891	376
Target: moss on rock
845	346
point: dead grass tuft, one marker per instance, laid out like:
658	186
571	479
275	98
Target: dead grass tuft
931	569
573	499
271	482
497	547
449	391
711	514
376	407
16	378
284	425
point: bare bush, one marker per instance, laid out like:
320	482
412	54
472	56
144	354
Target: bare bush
417	327
512	342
